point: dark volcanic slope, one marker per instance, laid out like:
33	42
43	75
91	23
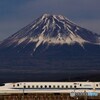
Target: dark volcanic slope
51	48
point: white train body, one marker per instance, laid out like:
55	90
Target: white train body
50	87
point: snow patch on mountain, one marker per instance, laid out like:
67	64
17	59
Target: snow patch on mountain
21	40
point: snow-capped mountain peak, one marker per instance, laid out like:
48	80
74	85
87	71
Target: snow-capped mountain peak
52	29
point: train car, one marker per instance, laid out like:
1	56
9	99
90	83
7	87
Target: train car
49	87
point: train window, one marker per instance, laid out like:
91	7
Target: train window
58	86
17	84
14	85
32	86
62	86
37	86
41	86
45	86
97	85
53	86
75	86
70	86
49	86
28	86
24	86
66	86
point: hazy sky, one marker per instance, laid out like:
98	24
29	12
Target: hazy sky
15	14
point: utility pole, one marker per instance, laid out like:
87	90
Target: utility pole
85	95
74	90
23	91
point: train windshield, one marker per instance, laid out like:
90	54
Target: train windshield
2	84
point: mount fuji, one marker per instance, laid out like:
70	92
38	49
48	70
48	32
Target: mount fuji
51	48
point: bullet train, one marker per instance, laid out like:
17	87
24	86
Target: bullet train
49	87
